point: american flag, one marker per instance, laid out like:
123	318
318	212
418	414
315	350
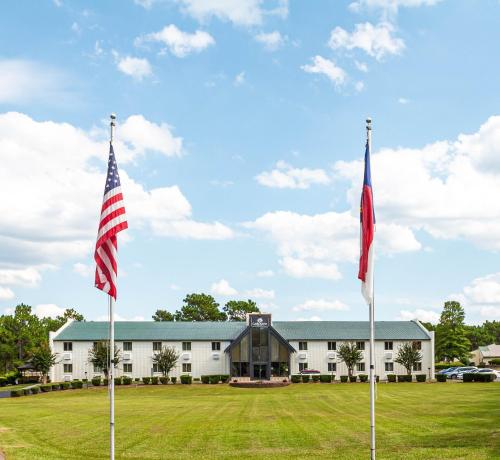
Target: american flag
113	220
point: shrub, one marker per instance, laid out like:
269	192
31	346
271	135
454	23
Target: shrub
353	378
46	388
35	390
137	379
126	380
467	377
96	381
17	393
495	362
391	377
26	391
421	377
296	378
146	380
443	365
363	378
213	379
484	377
173	379
315	378
441	377
409	378
305	378
401	378
325	378
344	378
118	381
154	380
105	382
3	381
164	380
196	379
77	384
224	378
187	379
205	379
66	385
56	386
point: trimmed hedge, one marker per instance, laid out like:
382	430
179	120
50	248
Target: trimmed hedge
391	378
495	361
315	378
105	382
212	379
155	380
146	380
363	378
225	378
77	384
46	388
205	379
187	379
421	377
55	386
137	379
173	379
325	378
483	377
443	365
3	381
35	390
26	391
296	378
305	378
344	378
467	377
96	381
441	377
164	380
126	380
66	386
118	381
16	393
353	378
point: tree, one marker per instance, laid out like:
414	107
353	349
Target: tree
200	307
163	315
43	359
166	359
99	356
350	355
451	340
408	355
237	310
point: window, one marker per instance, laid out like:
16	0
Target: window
360	367
68	346
127	368
68	368
215	346
303	346
360	345
332	346
389	367
186	367
186	346
127	346
417	345
417	367
97	369
302	367
155	368
156	346
388	345
332	367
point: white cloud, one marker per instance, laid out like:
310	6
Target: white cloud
83	269
241	12
147	4
482	296
285	176
120	318
259	293
265	274
239	79
427	316
311	318
299	268
321	305
48	310
64	186
57	3
403	100
6	293
174	287
377	41
359	86
223	288
137	68
179	43
271	41
326	67
75	27
361	66
24	81
390	5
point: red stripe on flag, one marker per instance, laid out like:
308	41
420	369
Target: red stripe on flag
367	230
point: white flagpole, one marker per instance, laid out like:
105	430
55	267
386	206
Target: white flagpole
372	329
111	350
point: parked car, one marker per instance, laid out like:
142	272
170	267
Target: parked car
459	370
448	369
460	376
489	371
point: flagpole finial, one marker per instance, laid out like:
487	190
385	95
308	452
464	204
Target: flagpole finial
112	125
368	123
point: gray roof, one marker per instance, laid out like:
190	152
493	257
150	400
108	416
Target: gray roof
290	330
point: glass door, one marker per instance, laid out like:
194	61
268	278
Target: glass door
260	371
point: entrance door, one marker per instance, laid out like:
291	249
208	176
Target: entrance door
260	371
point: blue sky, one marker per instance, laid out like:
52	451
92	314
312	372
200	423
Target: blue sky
240	137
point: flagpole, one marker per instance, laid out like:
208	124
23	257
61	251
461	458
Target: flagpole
372	331
111	348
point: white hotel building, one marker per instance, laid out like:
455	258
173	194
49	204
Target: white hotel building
257	349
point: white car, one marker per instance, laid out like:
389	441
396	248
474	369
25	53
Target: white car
489	371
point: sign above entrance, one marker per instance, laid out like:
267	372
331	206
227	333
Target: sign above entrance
260	320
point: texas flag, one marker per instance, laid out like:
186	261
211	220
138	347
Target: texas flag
367	217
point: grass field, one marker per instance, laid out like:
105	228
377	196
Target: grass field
316	421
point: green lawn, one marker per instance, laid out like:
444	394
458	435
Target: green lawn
314	421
